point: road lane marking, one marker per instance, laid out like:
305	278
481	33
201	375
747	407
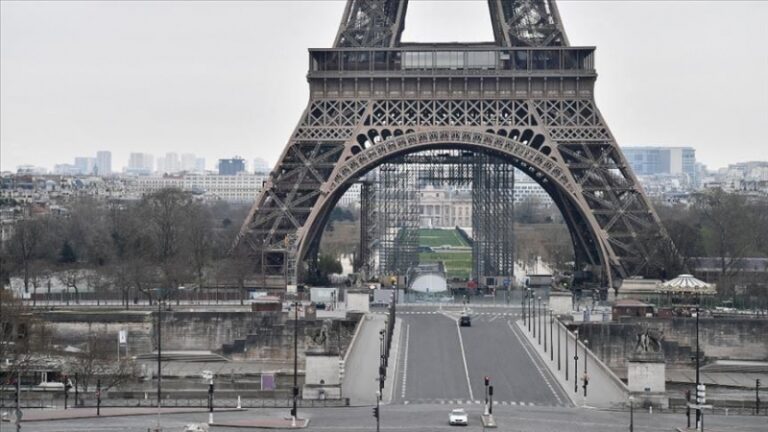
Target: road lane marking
405	357
493	318
464	358
535	363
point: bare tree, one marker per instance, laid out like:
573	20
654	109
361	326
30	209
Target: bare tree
198	230
25	246
98	360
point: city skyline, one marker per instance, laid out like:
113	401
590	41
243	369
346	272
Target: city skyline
110	83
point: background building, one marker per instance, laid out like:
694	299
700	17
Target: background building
140	164
674	161
103	162
85	165
242	187
231	166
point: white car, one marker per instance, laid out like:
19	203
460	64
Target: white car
458	417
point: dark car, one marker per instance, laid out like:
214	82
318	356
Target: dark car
465	321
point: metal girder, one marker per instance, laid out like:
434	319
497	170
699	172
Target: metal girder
539	116
516	23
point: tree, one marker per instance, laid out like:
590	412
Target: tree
23	337
26	245
167	209
198	231
67	254
727	228
98	359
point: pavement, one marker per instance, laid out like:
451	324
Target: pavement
31	415
361	371
261	423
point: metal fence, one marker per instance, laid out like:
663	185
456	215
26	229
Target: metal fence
223	403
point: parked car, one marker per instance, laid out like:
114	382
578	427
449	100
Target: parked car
458	417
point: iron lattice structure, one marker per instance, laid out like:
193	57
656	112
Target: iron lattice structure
398	215
397	188
493	211
527	98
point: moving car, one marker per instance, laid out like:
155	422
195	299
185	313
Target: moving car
458	417
465	321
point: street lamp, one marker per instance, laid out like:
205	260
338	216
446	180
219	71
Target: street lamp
575	361
551	336
544	326
698	382
161	294
586	377
294	410
523	297
631	414
538	319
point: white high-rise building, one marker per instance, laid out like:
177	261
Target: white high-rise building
188	161
260	166
103	163
85	165
140	163
200	164
172	163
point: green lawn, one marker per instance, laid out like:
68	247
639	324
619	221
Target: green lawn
457	264
439	237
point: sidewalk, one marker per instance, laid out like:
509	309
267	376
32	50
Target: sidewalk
263	423
605	389
361	371
85	413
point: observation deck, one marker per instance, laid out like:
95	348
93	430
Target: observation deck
451	60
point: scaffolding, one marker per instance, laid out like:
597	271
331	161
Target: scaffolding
398	217
493	210
391	211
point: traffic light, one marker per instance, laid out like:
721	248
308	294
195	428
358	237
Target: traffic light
701	394
490	391
376	412
487	380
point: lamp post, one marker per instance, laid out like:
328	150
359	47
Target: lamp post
551	336
528	306
698	355
586	376
535	319
538	319
565	343
381	361
544	325
160	293
294	410
631	414
524	296
159	351
575	361
559	348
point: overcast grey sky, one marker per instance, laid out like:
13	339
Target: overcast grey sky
219	79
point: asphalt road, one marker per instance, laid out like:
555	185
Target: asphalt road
435	368
425	418
444	360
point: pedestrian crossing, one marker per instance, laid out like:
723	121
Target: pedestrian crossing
474	315
463	402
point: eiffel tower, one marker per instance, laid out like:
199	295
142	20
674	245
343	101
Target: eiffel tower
527	98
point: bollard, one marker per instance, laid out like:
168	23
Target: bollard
210	418
238	402
650	409
726	412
